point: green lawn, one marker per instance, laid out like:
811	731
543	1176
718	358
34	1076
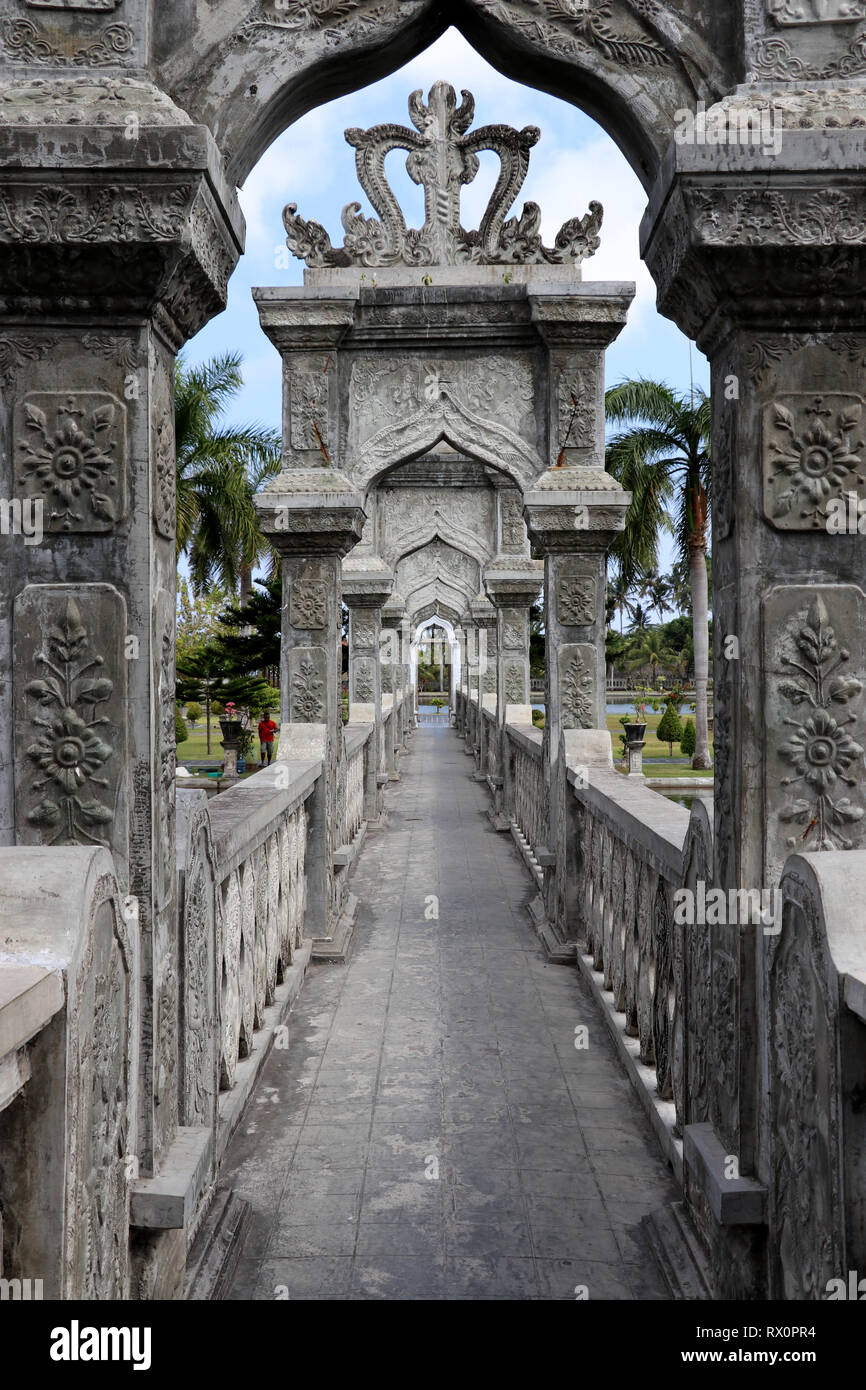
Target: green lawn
653	748
195	747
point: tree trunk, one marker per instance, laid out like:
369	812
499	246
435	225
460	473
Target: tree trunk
207	719
701	640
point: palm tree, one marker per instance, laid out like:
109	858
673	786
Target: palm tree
639	619
649	650
662	455
620	597
219	470
657	593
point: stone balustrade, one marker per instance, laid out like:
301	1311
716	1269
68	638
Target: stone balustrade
69	981
631	876
529	812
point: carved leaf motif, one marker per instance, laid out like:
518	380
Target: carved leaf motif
93	812
46	813
36	417
843	688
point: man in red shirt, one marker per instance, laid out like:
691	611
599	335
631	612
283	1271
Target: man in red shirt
267	729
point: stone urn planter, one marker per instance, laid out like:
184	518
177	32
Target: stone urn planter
634	733
231	732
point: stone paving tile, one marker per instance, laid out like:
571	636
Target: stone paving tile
432	1132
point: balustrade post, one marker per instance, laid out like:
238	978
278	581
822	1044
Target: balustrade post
367	584
312	531
513	584
406	677
470	646
392	618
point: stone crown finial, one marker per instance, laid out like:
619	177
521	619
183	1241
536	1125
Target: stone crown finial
442	157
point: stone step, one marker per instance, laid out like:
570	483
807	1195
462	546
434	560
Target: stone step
678	1253
215	1252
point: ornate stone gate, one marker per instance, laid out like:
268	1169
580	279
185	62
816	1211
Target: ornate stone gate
121	141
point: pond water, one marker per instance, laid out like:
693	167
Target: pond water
629	709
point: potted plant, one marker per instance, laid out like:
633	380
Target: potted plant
231	724
635	730
245	747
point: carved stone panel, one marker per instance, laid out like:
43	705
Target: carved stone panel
363	632
513	525
72	4
576	606
791	12
577	685
307	676
97	1214
813	452
71	709
308	604
69	449
489	388
815	664
516	692
163	447
364	681
578	407
309	392
199	1078
22	41
514	630
806	1216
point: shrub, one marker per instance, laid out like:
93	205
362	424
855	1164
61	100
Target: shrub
193	714
181	733
688	742
670	730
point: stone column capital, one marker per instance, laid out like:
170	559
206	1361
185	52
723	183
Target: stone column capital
130	216
311	511
394	613
575	509
367	581
589	316
745	238
513	582
301	320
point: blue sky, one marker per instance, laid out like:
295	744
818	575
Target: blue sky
311	165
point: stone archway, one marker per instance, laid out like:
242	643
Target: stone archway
248	73
122	140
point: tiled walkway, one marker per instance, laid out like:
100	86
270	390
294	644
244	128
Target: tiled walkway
432	1131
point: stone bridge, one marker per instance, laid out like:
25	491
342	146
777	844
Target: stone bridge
443	461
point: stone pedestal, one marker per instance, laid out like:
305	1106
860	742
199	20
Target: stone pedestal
634	755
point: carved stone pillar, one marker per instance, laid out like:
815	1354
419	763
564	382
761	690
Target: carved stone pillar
312	530
513	584
572	515
764	265
461	712
482	661
406	676
470	644
366	587
118	240
392	674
